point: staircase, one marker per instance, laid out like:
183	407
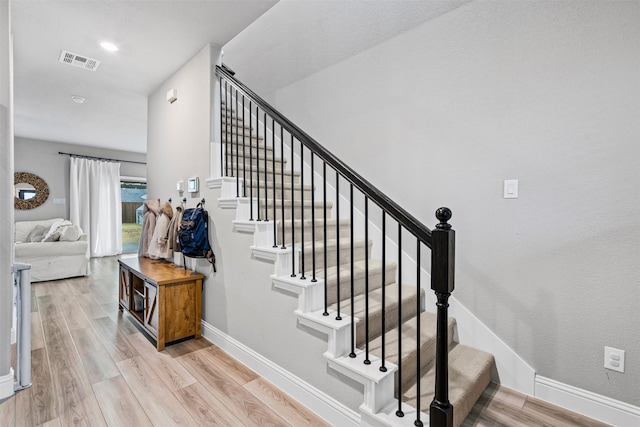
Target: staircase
339	246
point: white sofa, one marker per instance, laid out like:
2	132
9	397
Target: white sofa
67	255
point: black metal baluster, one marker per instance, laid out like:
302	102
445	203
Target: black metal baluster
223	128
284	246
302	276
266	185
418	422
229	134
338	317
399	412
273	176
250	162
366	279
244	156
351	269
237	159
383	368
313	222
293	215
324	211
258	161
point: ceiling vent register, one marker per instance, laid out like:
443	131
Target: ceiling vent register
79	60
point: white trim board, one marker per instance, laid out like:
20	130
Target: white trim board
587	403
7	383
319	402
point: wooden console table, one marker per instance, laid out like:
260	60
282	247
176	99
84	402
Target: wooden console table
164	298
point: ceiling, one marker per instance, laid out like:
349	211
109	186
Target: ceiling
155	38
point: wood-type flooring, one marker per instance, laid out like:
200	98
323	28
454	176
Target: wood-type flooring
92	367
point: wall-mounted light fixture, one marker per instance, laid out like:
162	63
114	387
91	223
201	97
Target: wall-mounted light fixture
172	95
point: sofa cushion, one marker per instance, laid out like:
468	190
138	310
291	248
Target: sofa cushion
37	234
50	249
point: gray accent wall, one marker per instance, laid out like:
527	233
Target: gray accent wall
544	92
42	158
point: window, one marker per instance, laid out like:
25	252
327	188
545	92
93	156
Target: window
133	195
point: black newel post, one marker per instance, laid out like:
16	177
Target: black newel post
442	283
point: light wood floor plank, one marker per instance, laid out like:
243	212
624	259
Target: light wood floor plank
76	404
90	308
554	416
42	406
204	407
37	339
160	405
42	288
75	317
285	406
8	410
113	339
119	405
97	364
186	347
236	370
52	423
23	407
243	404
171	373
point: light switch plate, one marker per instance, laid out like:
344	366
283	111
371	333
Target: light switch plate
510	188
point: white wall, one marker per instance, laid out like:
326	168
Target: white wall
6	191
543	92
42	159
239	299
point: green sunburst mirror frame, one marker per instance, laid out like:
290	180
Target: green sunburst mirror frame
40	186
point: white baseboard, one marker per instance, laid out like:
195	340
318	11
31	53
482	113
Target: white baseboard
319	402
7	383
587	403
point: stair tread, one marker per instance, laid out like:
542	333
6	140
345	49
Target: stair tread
409	339
469	375
375	300
375	267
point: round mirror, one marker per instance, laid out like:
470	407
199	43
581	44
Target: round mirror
31	191
24	191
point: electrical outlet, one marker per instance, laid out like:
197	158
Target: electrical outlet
614	359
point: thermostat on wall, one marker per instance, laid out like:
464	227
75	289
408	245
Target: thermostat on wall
192	185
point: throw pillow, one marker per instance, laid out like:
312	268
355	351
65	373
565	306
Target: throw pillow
37	233
69	233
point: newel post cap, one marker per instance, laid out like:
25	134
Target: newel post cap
443	214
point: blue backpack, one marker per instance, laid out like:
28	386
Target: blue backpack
193	235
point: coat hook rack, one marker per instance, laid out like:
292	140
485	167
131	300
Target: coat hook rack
169	199
202	201
184	200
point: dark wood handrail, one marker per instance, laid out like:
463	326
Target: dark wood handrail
408	221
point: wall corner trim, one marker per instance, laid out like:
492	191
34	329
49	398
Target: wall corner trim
319	402
7	385
587	403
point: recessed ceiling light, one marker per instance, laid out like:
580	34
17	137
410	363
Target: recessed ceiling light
78	99
109	46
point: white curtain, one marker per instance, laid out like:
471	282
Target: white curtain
95	204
